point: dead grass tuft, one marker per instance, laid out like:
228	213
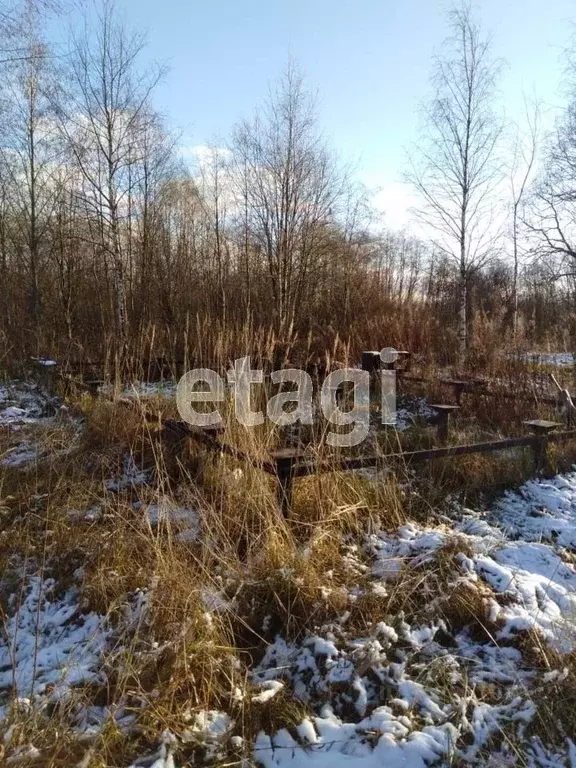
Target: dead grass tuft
554	694
288	589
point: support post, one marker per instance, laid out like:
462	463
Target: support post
408	365
541	429
459	388
539	453
443	426
443	419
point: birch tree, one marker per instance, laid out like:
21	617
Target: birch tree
107	118
522	161
457	171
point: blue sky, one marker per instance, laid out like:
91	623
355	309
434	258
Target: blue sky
369	61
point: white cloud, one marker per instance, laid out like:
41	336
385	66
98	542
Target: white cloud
203	155
394	199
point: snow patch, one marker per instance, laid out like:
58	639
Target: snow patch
130	477
48	644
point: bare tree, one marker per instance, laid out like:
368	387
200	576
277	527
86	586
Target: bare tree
29	146
64	253
152	163
457	171
108	115
216	190
289	188
13	49
522	160
552	217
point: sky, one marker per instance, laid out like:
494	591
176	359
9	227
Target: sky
368	60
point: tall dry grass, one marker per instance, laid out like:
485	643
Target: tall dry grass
215	602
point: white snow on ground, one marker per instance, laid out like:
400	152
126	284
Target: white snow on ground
146	389
541	510
419	690
25	403
182	519
44	362
47	646
329	742
167	513
540	588
417	693
14	415
129	477
212	723
163	757
22	454
407	717
559	359
405	693
543	589
24	408
417	409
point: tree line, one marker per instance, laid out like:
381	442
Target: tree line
107	236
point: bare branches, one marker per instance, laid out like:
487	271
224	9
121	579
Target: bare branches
455	171
522	162
289	190
551	220
106	124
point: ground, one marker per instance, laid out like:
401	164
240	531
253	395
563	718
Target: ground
144	625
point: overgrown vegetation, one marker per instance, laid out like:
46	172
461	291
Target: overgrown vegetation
156	607
194	577
112	250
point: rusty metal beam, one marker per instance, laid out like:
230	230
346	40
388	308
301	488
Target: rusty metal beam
304	468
